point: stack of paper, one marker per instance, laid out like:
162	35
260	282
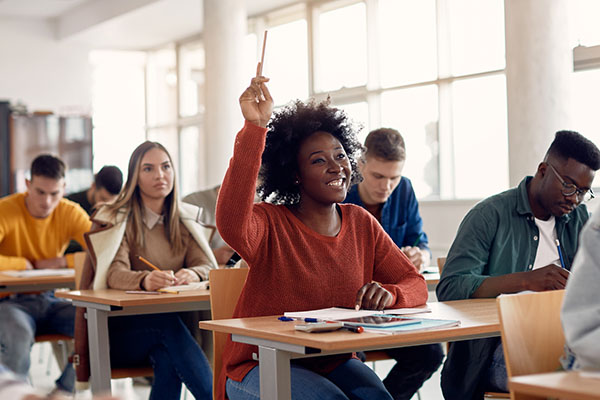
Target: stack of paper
424	324
337	313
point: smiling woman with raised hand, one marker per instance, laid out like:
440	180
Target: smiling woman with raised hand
147	222
303	248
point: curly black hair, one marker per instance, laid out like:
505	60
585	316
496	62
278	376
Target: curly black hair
288	128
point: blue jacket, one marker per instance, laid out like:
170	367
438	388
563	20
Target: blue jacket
400	216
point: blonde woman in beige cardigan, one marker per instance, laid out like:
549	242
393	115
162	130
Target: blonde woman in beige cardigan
147	220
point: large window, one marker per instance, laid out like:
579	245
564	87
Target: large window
427	68
424	67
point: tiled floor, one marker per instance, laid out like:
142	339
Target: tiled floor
44	370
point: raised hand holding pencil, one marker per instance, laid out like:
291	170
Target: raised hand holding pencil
157	278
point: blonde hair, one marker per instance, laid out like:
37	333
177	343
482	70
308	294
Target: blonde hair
130	200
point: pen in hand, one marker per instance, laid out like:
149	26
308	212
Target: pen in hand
154	267
560	256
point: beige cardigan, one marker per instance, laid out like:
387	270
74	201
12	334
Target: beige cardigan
103	242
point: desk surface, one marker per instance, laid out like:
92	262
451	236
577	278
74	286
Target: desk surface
19	284
114	297
557	385
479	318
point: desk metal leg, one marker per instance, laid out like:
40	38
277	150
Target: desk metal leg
97	321
274	368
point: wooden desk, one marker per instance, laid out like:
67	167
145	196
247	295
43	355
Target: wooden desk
432	280
563	385
278	342
13	284
101	304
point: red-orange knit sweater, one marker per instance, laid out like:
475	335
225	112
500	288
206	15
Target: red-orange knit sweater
294	268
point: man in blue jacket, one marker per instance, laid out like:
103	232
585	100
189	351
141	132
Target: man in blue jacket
522	239
390	198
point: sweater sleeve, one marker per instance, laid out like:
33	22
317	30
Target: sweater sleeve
581	310
196	260
120	275
240	223
396	273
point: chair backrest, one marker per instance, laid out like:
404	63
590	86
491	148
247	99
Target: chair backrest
532	335
225	288
440	262
79	260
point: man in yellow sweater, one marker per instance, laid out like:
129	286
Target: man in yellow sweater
35	229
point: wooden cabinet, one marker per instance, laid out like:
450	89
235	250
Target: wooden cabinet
29	135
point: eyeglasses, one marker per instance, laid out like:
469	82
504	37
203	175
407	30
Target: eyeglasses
569	189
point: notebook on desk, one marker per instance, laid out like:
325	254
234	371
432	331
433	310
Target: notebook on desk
337	313
32	273
422	325
184	288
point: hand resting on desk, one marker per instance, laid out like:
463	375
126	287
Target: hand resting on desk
48	263
372	296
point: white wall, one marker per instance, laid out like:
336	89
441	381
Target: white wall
41	72
440	222
442	218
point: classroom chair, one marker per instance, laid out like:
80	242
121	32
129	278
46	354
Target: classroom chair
532	335
62	344
225	287
441	261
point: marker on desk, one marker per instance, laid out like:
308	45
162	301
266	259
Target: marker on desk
285	319
353	328
562	261
311	320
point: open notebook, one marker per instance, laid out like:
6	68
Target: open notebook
337	313
183	288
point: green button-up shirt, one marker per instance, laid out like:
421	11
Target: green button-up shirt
498	237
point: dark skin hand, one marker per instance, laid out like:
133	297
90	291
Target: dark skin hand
372	296
550	277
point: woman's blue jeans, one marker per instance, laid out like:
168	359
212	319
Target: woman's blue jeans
351	380
22	317
163	341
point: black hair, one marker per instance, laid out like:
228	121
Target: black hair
385	143
570	144
48	166
288	128
109	178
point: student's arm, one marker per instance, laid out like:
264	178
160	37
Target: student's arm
120	275
240	223
581	309
79	223
415	243
465	274
550	277
11	262
395	273
197	265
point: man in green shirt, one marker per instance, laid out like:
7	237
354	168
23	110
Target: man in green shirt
521	239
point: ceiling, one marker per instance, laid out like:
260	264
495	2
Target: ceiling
123	24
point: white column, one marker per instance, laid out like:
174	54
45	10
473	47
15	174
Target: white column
539	63
223	36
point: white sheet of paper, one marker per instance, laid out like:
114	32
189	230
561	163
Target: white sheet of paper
189	286
337	313
590	374
30	273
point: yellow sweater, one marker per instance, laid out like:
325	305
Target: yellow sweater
23	237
